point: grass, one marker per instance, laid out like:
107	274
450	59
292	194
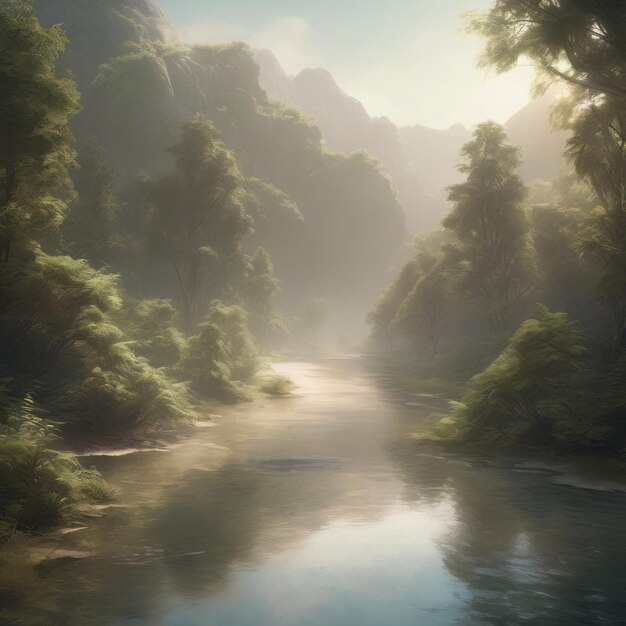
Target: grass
41	488
276	385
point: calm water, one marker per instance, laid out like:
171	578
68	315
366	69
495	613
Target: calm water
321	510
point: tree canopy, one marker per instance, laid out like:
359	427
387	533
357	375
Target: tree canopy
36	105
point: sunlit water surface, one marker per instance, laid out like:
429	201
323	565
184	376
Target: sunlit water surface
323	510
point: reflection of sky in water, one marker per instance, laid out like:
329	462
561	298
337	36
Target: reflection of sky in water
344	574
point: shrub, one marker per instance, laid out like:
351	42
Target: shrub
222	357
40	487
533	393
277	385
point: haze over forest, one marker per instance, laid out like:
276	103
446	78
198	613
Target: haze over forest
247	245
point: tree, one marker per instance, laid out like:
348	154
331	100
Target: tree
155	332
222	356
260	292
424	309
414	304
35	139
582	42
56	306
489	252
386	307
89	230
533	392
582	45
198	220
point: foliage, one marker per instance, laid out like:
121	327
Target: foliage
386	307
153	327
276	385
61	338
222	357
131	397
35	107
259	297
581	45
89	232
567	278
198	221
533	393
489	253
550	386
351	216
425	307
464	284
391	320
40	487
55	306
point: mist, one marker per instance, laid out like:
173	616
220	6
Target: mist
300	303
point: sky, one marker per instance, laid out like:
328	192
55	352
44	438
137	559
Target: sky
409	60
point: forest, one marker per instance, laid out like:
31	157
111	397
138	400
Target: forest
130	298
177	217
520	297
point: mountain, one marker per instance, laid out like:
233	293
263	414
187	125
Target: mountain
99	29
346	126
337	245
543	146
422	161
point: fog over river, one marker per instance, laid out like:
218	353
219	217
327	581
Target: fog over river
323	509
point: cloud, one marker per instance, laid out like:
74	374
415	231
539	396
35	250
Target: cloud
215	31
289	38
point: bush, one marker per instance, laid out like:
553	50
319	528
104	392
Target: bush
222	357
153	327
129	398
40	487
277	385
533	393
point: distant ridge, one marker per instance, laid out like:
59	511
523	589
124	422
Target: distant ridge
421	160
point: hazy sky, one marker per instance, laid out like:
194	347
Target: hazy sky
407	59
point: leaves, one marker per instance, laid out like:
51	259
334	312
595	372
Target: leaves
35	140
534	391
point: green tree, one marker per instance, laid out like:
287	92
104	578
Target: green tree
55	305
386	307
198	221
425	308
89	230
489	253
582	45
260	292
533	393
153	327
35	139
400	312
222	356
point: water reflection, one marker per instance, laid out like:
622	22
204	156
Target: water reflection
529	551
323	510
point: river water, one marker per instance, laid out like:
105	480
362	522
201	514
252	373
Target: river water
324	510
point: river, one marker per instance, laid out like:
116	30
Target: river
325	510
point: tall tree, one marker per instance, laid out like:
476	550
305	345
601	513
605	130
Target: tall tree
35	139
489	251
88	232
198	220
260	292
582	45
